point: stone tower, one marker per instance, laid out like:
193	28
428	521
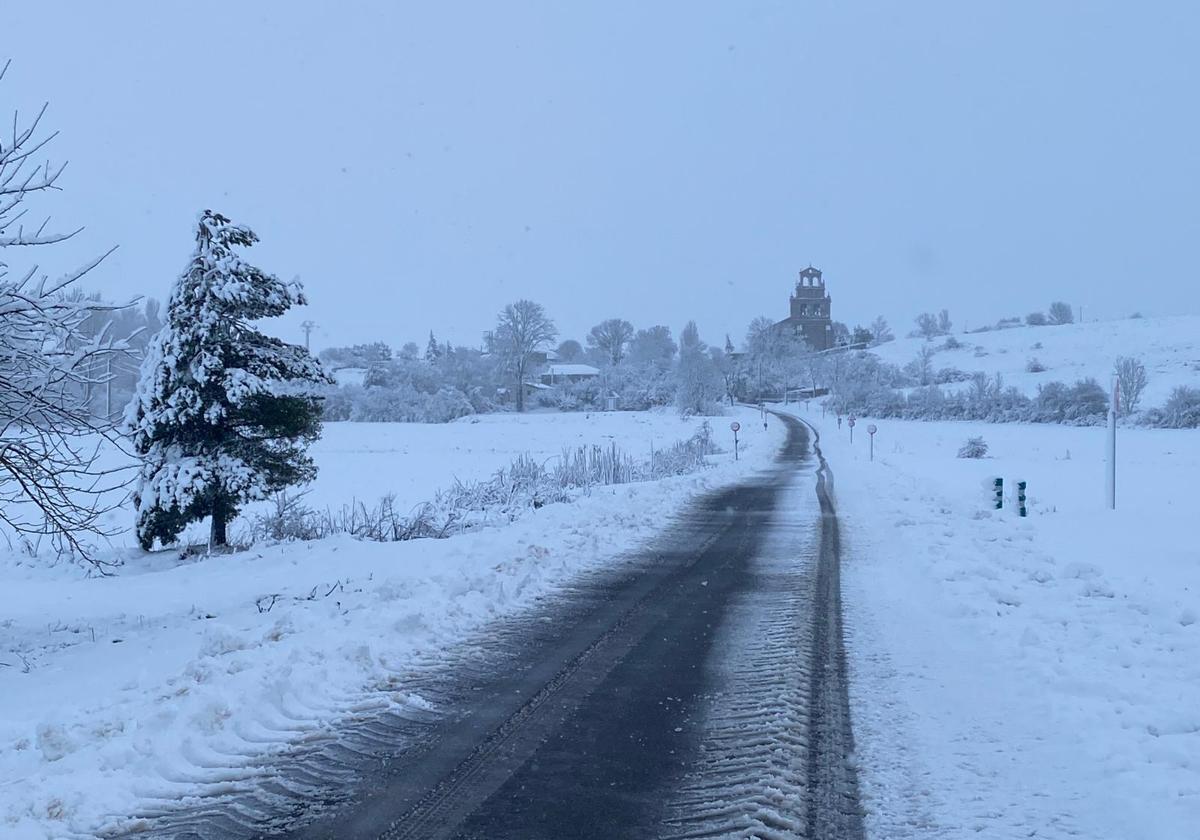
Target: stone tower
810	316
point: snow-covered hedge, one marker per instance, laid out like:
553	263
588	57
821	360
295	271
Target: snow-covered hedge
1181	410
871	388
403	404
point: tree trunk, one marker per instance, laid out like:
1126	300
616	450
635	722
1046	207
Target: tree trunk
218	536
520	388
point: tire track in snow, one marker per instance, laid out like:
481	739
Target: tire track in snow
776	759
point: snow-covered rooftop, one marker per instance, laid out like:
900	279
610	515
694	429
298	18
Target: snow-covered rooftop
573	370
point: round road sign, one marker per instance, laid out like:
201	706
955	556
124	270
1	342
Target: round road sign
851	422
872	429
736	426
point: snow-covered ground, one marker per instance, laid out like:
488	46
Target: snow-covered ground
1012	677
1169	347
142	686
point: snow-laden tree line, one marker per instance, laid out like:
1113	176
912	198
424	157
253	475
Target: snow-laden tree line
634	369
638	368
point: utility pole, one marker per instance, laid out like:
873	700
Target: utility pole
308	327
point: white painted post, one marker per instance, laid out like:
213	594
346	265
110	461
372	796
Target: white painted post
1111	472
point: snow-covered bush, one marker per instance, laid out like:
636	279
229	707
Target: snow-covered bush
975	447
1181	410
1034	365
450	382
1083	404
288	519
584	395
683	457
401	404
949	375
526	484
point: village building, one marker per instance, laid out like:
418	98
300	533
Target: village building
564	374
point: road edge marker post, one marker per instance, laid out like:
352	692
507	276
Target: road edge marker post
735	427
1021	510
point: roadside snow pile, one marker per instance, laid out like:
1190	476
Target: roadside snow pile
176	677
1022	677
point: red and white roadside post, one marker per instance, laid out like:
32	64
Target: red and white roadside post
735	427
871	430
1111	472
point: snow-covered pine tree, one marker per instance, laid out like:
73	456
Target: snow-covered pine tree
433	350
223	413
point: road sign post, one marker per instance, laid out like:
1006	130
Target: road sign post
735	427
850	423
871	430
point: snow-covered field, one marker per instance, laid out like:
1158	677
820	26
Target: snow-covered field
1012	677
143	686
1169	347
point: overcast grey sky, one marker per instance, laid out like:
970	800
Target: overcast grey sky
420	165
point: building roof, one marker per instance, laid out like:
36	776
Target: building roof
573	370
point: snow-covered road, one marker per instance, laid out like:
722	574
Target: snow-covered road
697	691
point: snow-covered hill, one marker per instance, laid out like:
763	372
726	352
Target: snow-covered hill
1169	347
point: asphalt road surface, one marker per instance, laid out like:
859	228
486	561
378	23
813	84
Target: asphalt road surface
700	691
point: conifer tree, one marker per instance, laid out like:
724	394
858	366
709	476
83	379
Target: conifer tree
223	412
433	350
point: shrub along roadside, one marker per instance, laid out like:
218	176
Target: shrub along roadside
524	485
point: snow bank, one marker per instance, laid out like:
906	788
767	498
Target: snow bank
172	678
1022	677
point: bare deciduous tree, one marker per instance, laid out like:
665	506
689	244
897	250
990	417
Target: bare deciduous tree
611	337
881	333
51	481
521	329
1132	380
1061	313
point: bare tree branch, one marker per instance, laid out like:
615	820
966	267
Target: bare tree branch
52	480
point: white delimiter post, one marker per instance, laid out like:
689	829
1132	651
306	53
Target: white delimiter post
1111	484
